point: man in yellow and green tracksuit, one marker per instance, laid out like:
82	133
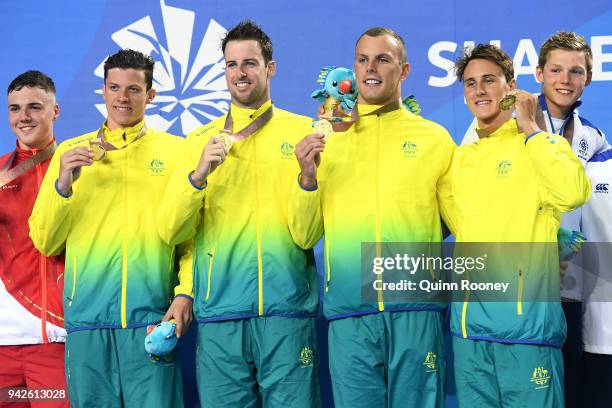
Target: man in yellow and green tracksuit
376	182
119	274
256	291
510	186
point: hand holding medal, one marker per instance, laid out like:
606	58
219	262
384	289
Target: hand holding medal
71	162
525	109
214	153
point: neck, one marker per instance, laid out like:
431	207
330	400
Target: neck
38	145
363	101
255	105
490	126
112	125
555	111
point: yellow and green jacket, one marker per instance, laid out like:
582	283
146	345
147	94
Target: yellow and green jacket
119	273
507	188
244	262
377	182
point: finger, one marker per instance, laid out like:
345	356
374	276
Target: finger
178	319
215	158
312	156
187	319
167	316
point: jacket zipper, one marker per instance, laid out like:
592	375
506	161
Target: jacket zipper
42	262
258	233
327	264
467	295
519	299
381	301
210	266
124	262
74	280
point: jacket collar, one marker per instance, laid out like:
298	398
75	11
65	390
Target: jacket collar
122	136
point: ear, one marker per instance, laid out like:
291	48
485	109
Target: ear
539	74
589	78
151	95
271	68
56	111
512	84
405	71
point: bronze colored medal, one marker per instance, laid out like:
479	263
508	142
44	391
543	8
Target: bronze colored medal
97	149
324	127
227	141
507	102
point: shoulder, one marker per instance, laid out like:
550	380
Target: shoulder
5	157
433	129
208	130
82	140
588	126
164	137
286	117
602	157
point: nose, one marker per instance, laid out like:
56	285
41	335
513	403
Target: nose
480	89
345	86
123	96
564	77
24	115
371	66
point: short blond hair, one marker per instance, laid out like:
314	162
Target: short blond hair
566	40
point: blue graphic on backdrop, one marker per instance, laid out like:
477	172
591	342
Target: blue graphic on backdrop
188	75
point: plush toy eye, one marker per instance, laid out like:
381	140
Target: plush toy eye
335	83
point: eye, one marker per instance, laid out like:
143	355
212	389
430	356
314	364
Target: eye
335	84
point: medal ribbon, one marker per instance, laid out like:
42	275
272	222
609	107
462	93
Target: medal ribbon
344	126
7	175
249	129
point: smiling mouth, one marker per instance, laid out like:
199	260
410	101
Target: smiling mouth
372	82
27	128
122	108
242	84
482	103
564	91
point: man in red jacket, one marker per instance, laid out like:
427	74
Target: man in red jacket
31	316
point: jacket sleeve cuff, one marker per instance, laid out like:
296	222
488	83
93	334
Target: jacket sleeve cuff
59	192
314	188
184	296
532	135
195	185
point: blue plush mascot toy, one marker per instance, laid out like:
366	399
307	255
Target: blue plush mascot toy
161	339
338	90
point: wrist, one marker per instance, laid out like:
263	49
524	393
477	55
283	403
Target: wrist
307	183
197	183
65	192
530	128
198	178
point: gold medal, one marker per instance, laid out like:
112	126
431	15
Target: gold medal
507	102
324	127
97	149
227	141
